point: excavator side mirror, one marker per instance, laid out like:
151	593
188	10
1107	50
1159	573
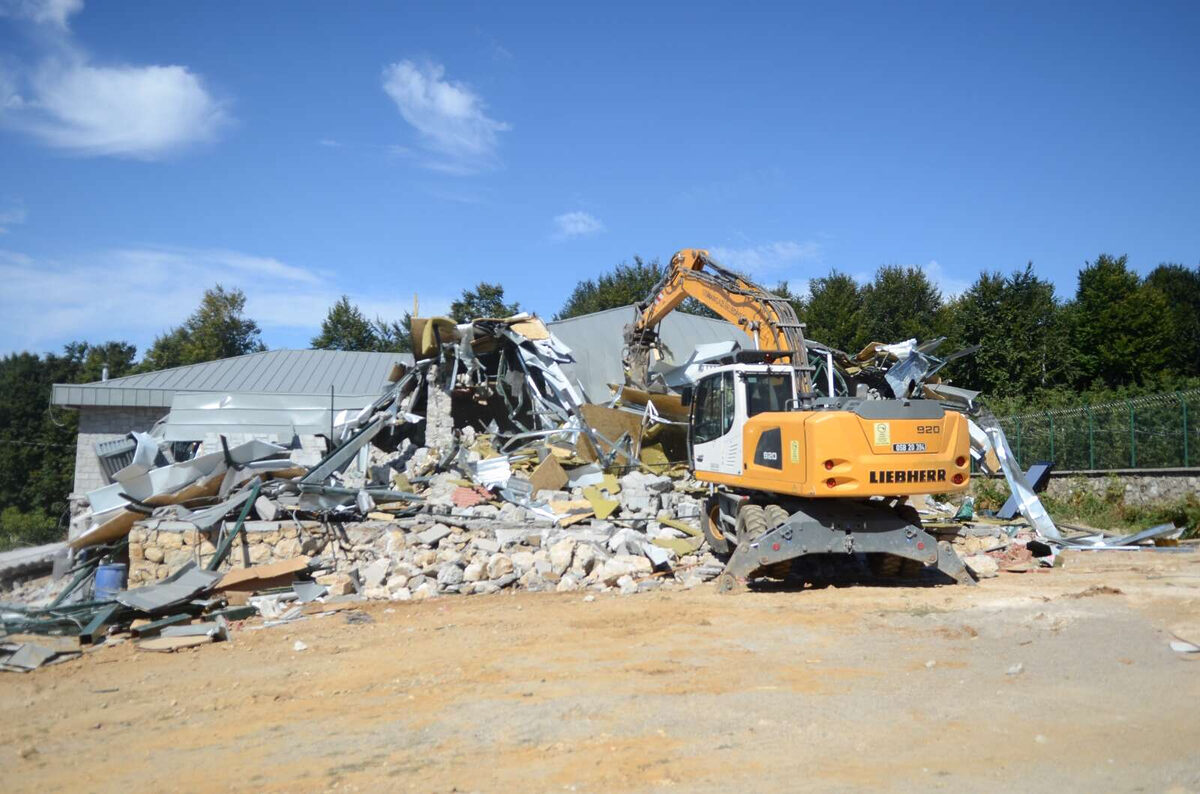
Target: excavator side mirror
685	395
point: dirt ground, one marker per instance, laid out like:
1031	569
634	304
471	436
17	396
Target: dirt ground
837	689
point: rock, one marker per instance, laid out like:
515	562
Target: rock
177	558
567	584
522	561
424	558
396	581
449	554
486	545
375	574
403	594
299	646
627	585
450	574
1016	669
585	559
338	583
614	568
499	565
512	514
435	533
983	566
484	511
474	572
589	598
426	590
397	541
505	581
170	540
532	581
561	555
154	554
377	593
285	549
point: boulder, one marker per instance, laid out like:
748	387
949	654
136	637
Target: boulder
561	555
499	565
983	566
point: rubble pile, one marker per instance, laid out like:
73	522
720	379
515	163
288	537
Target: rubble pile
477	470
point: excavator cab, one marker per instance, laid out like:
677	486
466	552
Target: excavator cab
721	403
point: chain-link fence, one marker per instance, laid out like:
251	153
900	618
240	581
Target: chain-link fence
1152	432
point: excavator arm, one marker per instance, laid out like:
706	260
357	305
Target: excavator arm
766	318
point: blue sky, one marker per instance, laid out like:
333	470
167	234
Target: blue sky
302	150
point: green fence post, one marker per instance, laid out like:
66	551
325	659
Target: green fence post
1019	441
1050	418
1091	438
1183	407
1132	437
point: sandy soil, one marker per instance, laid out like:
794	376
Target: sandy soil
837	689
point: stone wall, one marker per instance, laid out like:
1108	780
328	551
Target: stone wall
158	548
105	423
1134	487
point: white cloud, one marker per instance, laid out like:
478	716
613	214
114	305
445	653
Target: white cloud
449	117
48	12
767	258
11	216
330	142
69	103
576	224
137	293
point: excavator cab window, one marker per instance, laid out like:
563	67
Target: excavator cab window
712	414
767	392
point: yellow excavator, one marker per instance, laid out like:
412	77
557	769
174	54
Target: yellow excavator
799	465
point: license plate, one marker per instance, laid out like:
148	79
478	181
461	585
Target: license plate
916	446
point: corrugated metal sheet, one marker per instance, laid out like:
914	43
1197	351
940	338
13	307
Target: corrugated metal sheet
596	341
271	372
197	415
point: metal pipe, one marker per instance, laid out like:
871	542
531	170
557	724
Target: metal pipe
829	369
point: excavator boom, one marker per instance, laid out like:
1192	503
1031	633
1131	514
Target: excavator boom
766	318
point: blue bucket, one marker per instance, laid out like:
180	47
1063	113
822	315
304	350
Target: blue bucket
110	580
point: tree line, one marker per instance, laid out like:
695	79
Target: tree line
1118	335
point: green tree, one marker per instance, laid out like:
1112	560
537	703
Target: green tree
1121	327
37	441
900	303
117	357
345	328
1181	287
394	336
623	285
217	329
486	300
1021	330
833	312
